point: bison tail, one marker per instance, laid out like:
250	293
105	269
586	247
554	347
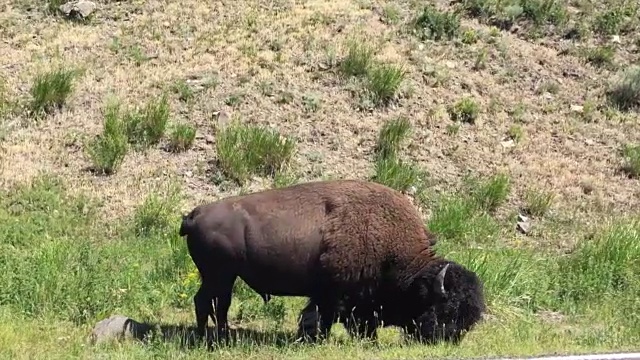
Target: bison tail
187	224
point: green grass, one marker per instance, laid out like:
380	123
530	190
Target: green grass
507	13
437	25
181	137
358	59
537	203
392	136
464	110
64	268
107	150
490	193
631	154
50	91
246	150
399	174
383	82
147	125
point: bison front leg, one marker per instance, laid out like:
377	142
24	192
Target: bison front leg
316	320
361	323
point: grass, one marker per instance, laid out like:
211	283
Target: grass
82	279
631	154
108	149
391	137
182	137
145	127
383	82
625	92
389	168
245	151
358	59
465	110
538	202
437	25
50	91
352	89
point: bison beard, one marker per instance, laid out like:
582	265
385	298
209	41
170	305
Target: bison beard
359	250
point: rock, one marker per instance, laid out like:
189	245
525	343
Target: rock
78	9
508	144
523	227
118	327
524	224
577	108
615	39
222	117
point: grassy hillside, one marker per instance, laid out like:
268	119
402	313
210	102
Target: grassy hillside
479	110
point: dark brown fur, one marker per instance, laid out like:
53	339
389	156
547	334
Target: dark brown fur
343	243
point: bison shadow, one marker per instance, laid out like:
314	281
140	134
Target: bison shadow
185	336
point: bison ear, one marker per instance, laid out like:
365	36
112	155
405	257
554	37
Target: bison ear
439	283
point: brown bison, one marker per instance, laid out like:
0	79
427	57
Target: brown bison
357	249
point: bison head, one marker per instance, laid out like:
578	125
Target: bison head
450	300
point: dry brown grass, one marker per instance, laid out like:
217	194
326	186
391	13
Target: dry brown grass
258	53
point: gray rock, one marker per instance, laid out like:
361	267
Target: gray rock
524	227
222	118
78	9
118	327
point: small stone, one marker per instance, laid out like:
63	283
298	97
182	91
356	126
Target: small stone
188	173
523	218
508	144
524	227
118	327
577	108
615	39
450	64
222	117
78	9
209	139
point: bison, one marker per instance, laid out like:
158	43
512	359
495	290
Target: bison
357	249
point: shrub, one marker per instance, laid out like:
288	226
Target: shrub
625	92
437	25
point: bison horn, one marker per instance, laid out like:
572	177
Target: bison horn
439	285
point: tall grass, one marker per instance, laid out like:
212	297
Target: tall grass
60	262
247	150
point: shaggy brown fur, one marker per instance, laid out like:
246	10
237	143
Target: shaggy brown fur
329	240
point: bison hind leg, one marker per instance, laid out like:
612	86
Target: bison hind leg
213	299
